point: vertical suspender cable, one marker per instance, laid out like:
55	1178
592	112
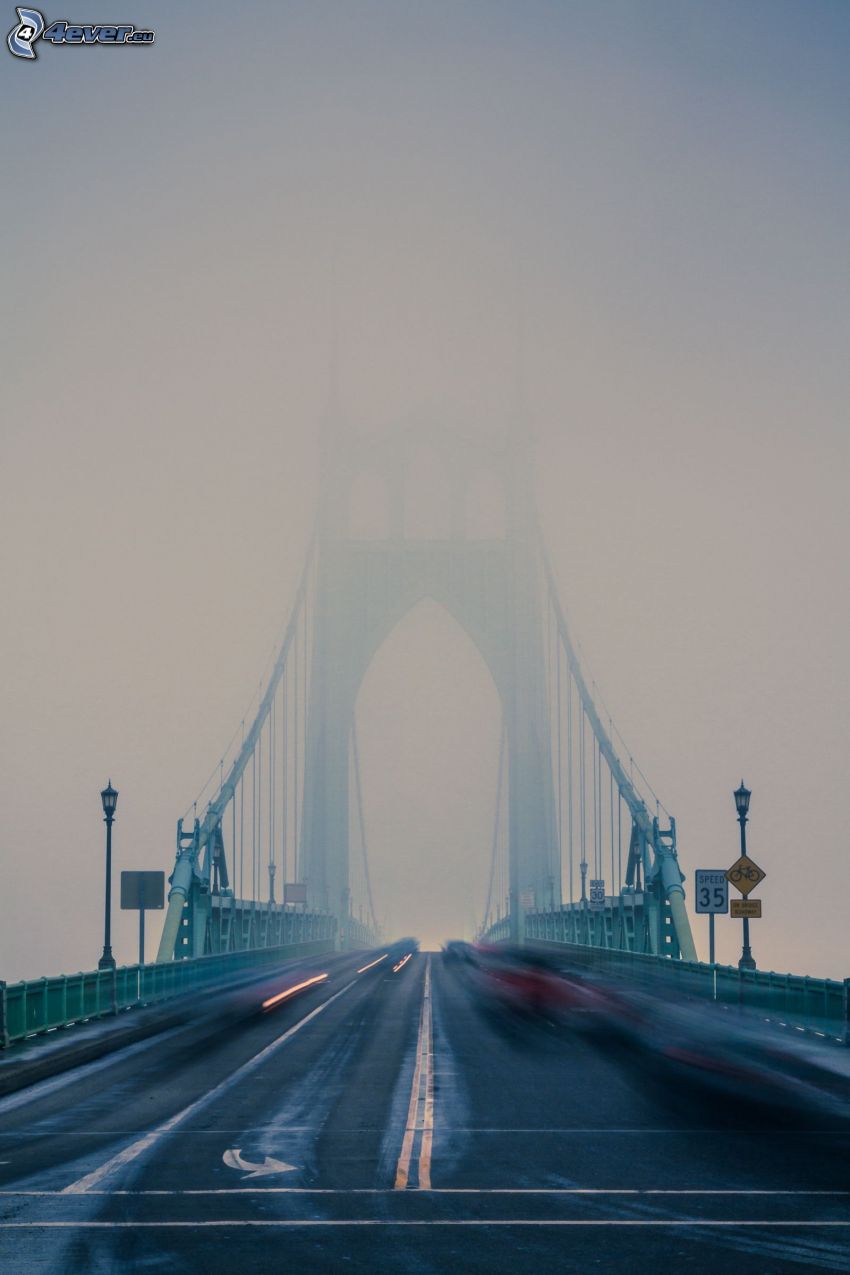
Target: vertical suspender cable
611	812
296	864
570	775
304	677
362	823
286	789
496	824
593	796
258	890
254	825
551	678
233	843
597	807
272	785
582	767
558	772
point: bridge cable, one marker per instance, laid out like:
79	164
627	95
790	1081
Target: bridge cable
633	797
597	809
295	757
242	837
358	791
306	685
582	770
215	808
570	782
287	769
559	769
496	824
233	846
254	825
611	814
272	786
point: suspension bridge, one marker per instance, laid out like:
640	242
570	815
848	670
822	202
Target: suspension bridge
287	803
287	1085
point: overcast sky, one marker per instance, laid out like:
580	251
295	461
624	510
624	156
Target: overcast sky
654	193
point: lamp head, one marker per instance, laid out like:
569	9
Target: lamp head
109	797
742	800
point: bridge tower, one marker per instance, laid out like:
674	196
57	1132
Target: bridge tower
487	581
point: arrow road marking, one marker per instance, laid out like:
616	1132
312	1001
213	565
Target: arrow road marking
233	1160
135	1149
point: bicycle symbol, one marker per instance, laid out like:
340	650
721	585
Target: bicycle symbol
745	874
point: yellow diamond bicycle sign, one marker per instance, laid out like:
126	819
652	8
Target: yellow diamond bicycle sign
745	875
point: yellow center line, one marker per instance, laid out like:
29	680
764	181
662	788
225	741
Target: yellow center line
428	1091
420	1112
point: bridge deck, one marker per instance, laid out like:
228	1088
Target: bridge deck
280	1144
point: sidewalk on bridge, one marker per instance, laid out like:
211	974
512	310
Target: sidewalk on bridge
63	1048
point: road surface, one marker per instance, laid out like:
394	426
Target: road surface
385	1119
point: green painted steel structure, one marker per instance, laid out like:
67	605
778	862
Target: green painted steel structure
232	925
41	1005
632	921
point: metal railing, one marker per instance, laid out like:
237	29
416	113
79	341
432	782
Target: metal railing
40	1005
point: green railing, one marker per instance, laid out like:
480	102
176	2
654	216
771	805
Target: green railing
820	1005
42	1004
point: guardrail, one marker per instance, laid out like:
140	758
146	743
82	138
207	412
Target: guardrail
42	1004
819	1005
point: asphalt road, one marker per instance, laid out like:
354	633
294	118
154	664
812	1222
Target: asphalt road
386	1120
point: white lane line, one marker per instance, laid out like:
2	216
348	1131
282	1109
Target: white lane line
420	1112
442	1190
691	1223
45	1130
135	1149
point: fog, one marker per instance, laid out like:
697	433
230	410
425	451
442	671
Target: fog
622	227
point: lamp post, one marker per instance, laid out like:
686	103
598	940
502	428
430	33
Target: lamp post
742	804
109	797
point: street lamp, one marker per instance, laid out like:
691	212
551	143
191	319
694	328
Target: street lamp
742	804
109	797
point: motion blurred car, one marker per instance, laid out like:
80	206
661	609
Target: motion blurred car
704	1052
527	982
757	1066
455	951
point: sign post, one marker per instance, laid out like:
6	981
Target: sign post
711	891
745	875
141	891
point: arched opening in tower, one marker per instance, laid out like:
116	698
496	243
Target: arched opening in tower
428	722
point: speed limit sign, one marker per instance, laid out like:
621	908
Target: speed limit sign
711	890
